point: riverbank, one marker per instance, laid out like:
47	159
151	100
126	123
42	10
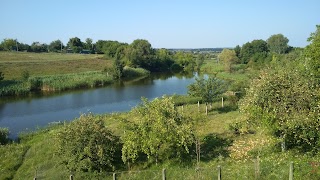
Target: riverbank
53	72
34	155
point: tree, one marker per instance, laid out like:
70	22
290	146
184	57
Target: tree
75	44
140	54
278	43
228	58
157	130
312	53
38	47
283	102
9	44
87	145
56	46
207	89
249	49
237	50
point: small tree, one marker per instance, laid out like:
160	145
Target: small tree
207	89
87	145
228	58
158	130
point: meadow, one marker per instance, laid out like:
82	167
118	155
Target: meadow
35	154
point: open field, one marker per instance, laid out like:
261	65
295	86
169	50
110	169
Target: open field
12	64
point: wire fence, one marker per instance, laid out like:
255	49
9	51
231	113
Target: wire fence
256	171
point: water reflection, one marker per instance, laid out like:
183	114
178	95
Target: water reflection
19	114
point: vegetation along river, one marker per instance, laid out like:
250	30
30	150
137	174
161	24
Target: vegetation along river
29	113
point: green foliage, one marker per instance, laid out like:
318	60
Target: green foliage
228	58
285	103
38	47
208	89
12	156
56	46
129	72
9	44
156	130
25	75
312	53
249	49
87	145
278	43
75	44
4	133
116	69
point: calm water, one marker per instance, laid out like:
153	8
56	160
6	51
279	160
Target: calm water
37	111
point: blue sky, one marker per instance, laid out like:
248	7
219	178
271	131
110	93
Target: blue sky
164	23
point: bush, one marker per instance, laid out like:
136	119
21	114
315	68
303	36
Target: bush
87	145
4	134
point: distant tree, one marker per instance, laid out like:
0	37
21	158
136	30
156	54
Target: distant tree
278	43
38	47
89	45
312	52
249	49
140	54
56	46
237	50
99	46
185	60
9	44
156	130
228	58
75	44
207	89
200	60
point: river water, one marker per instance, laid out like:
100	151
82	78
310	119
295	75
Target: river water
29	113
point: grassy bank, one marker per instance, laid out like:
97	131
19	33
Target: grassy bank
50	72
12	64
35	155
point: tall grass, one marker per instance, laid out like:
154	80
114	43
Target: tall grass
129	72
54	83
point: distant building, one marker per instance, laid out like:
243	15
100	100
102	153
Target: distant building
85	51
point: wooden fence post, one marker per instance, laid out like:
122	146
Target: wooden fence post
291	171
164	174
222	103
206	109
71	177
219	173
198	106
114	176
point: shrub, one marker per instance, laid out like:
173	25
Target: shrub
1	76
4	133
87	145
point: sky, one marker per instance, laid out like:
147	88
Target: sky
164	23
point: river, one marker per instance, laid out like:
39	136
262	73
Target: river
29	113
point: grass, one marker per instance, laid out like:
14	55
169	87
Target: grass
12	64
35	154
211	67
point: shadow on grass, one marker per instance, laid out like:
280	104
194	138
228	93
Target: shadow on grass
4	83
227	109
213	146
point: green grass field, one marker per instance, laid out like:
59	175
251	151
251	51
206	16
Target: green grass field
12	64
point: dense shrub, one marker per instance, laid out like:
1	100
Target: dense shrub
4	133
87	145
